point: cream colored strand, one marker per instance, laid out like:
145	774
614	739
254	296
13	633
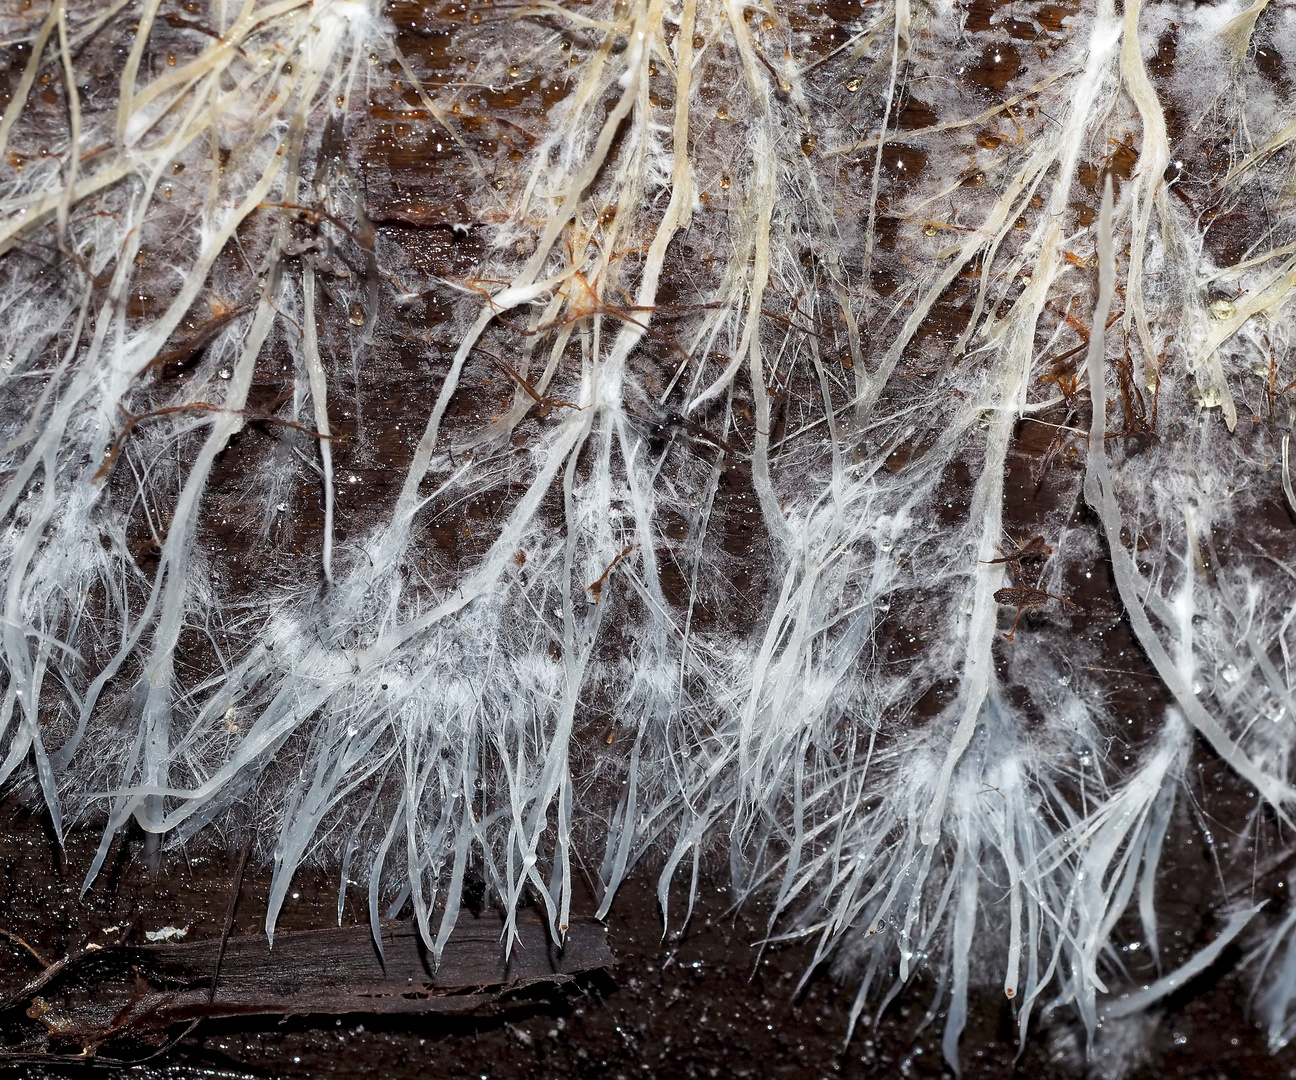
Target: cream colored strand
23	89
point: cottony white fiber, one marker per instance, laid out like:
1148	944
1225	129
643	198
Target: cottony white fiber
699	538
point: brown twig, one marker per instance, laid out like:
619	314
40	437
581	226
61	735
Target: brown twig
545	403
229	918
206	333
133	420
22	943
597	588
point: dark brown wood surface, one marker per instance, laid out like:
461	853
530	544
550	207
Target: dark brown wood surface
131	989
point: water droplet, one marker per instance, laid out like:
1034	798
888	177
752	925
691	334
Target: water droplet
885	545
1208	397
356	316
1223	309
852	85
224	373
1230	674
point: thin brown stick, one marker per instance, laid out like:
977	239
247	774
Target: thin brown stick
196	406
21	942
229	918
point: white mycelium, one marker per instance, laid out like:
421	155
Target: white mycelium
743	514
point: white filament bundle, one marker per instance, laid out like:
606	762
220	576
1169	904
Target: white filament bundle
722	461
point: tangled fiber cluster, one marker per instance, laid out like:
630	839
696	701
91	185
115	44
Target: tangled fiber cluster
498	440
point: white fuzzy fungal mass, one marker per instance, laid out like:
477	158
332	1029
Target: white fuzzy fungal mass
505	440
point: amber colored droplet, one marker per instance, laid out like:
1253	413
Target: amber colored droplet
724	183
475	18
852	85
140	256
722	113
611	737
767	24
520	557
930	230
808	143
1009	991
171	59
357	315
652	67
698	41
608	216
288	68
177	168
514	72
340	100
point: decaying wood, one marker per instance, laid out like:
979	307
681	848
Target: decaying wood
135	990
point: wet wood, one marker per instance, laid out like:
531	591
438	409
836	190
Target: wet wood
135	990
